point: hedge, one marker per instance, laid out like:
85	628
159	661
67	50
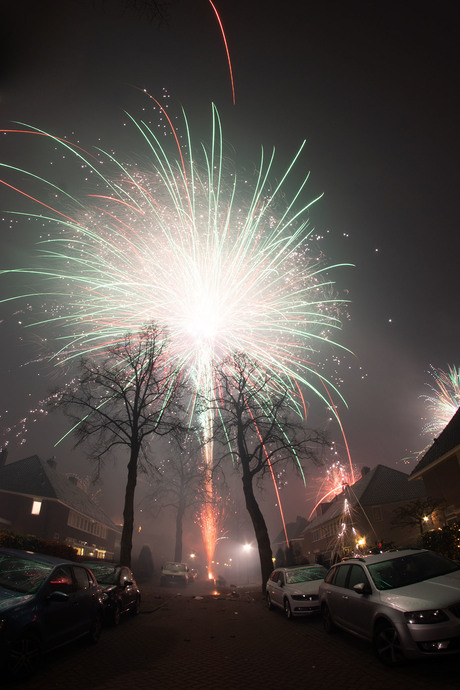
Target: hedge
27	542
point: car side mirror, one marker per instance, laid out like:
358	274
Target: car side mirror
362	588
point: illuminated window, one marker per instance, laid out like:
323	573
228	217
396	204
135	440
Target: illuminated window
36	507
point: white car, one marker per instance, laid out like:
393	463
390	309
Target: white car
406	602
295	589
174	574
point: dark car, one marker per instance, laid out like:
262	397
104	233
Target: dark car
45	602
120	593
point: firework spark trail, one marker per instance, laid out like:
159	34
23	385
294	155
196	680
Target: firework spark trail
189	248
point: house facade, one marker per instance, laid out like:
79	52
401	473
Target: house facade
36	499
439	469
362	517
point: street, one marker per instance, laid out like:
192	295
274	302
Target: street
202	638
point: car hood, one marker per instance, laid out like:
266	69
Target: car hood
304	587
10	599
437	593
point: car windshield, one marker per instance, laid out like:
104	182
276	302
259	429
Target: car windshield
22	575
407	570
178	567
305	575
105	574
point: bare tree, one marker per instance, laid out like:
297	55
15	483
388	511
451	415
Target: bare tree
178	484
416	513
262	435
124	400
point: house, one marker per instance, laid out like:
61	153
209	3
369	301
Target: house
362	516
439	468
38	500
290	548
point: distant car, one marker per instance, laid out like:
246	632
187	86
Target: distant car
45	602
295	589
406	602
120	593
174	573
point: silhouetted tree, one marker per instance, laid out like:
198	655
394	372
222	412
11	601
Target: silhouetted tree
177	484
124	400
262	434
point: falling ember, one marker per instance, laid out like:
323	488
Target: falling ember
190	247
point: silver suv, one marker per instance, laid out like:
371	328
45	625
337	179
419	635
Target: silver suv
406	602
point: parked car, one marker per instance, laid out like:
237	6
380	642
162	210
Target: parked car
45	602
120	593
295	589
174	573
406	602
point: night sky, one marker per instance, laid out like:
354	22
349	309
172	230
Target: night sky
374	89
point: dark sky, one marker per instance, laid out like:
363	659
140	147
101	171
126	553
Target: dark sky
374	89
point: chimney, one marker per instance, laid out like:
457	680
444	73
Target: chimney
52	462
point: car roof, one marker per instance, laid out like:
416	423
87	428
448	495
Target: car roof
36	556
369	559
302	566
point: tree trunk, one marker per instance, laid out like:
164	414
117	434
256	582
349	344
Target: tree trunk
260	530
179	520
128	510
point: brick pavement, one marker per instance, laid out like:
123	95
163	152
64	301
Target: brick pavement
225	643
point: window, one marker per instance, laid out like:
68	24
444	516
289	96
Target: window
342	572
357	576
60	581
81	577
36	507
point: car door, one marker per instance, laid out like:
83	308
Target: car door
58	616
335	592
274	588
357	608
84	600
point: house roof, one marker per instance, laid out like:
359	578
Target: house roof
294	531
447	442
379	486
38	478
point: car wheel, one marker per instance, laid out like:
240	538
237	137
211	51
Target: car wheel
329	625
136	607
269	602
116	614
387	645
287	609
95	629
24	655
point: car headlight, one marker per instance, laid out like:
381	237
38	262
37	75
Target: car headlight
424	617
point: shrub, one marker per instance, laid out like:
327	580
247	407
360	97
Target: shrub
27	542
445	540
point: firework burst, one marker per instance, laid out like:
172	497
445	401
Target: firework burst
222	265
444	400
